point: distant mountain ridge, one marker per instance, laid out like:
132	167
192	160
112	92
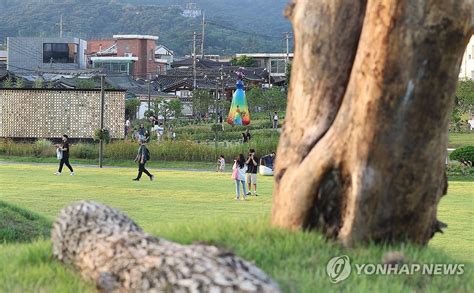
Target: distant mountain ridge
232	26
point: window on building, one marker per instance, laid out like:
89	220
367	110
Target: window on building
115	67
112	67
59	53
278	66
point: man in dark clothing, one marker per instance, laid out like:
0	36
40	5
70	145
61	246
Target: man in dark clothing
141	132
246	136
251	174
142	158
64	149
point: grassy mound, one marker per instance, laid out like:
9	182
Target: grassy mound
19	225
296	260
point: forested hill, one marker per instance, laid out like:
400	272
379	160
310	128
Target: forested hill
232	26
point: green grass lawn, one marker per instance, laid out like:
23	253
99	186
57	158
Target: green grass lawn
457	140
199	206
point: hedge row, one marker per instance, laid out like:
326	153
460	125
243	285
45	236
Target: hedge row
126	150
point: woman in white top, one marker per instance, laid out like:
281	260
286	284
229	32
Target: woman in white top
238	173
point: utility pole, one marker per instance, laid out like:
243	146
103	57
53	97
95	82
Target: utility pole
222	91
217	117
61	26
149	95
194	60
287	59
102	106
202	36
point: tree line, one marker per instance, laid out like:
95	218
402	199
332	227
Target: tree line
94	19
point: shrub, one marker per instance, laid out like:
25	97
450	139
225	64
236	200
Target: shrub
84	151
42	147
464	155
43	143
166	150
102	134
216	127
458	169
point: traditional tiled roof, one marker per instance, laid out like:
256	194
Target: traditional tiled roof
134	87
176	78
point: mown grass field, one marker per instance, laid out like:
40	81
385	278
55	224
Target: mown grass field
199	206
457	140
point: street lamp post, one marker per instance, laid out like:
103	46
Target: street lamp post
102	106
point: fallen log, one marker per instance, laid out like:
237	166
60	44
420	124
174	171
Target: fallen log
107	247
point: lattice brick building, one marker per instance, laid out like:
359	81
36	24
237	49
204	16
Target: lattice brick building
49	113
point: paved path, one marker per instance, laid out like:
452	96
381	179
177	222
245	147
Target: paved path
105	167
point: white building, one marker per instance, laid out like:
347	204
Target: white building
275	63
191	10
467	65
165	56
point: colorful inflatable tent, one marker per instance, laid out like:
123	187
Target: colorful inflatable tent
239	110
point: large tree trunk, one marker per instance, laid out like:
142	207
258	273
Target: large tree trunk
362	153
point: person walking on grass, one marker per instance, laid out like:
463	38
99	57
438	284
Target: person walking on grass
64	154
142	157
275	120
238	174
221	164
251	174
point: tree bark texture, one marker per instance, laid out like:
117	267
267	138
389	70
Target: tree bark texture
363	147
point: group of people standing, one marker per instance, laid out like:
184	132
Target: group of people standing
144	134
244	172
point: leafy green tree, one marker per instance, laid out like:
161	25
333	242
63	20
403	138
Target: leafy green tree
464	155
255	99
273	99
161	107
243	61
465	95
463	106
131	106
201	101
176	108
